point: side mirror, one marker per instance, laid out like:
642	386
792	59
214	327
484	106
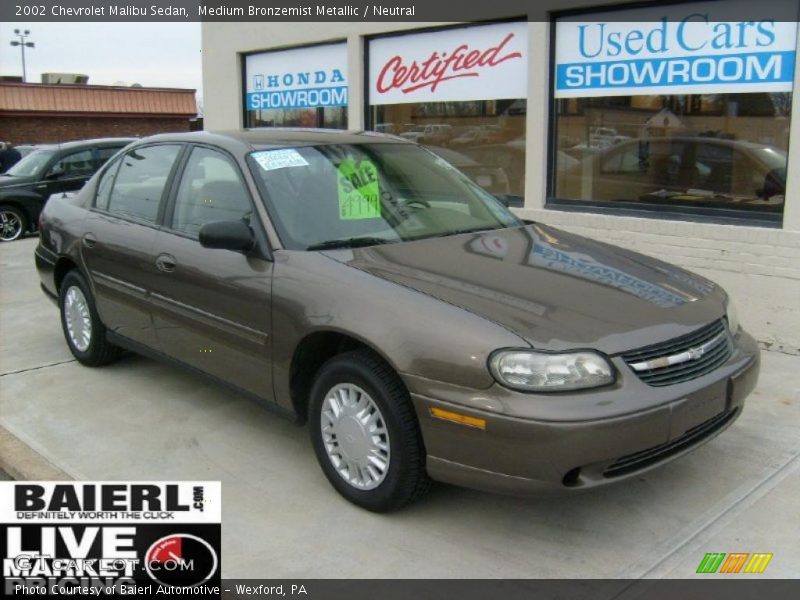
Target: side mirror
227	235
54	173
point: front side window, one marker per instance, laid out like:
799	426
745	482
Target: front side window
668	111
346	195
140	181
77	164
106	152
210	190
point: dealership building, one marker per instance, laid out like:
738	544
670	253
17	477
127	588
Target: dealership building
664	129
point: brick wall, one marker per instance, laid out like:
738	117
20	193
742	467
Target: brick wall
33	130
759	267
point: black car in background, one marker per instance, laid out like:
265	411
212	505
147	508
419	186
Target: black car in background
48	170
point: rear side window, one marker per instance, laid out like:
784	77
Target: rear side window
140	181
104	186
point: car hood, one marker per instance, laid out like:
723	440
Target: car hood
554	289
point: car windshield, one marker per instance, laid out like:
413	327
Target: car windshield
31	164
331	196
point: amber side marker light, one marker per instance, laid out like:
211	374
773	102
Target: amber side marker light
447	415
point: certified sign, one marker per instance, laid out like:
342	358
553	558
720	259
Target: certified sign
681	49
313	77
469	63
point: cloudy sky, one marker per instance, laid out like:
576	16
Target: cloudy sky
153	54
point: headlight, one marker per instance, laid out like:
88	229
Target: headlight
733	318
541	372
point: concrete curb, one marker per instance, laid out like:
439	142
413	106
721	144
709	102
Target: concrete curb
23	463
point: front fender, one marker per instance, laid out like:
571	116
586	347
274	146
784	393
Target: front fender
418	335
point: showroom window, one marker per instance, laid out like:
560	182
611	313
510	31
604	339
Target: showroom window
298	87
460	92
677	111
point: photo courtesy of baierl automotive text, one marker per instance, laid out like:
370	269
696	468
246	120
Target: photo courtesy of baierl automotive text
296	297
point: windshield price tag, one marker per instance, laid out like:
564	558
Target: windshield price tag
269	160
359	192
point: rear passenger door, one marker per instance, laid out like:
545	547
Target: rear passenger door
211	307
117	246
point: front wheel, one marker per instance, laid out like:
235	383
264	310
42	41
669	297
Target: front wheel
83	330
365	433
12	223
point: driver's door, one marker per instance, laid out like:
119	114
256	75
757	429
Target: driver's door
211	307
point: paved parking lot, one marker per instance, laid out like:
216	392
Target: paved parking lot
141	420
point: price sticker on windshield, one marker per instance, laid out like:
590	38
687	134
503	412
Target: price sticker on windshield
359	191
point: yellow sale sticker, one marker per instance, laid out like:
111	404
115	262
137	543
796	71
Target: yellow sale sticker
359	191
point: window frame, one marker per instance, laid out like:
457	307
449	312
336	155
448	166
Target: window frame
664	212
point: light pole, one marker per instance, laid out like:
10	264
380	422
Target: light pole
22	45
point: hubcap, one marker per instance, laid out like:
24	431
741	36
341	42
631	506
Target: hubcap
10	226
355	436
77	318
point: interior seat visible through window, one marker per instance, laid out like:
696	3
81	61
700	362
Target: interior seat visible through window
211	190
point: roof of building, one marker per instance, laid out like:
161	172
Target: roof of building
39	99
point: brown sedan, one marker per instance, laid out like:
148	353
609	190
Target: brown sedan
362	284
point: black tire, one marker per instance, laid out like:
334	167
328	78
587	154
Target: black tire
406	479
12	215
99	351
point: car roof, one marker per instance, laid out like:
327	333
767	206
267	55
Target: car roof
119	141
277	138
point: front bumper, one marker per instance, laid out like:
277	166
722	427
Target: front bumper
536	456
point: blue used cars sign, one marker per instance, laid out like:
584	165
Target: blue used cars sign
682	49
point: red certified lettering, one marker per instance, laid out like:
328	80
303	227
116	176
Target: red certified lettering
460	62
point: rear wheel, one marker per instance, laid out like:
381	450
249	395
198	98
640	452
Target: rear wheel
12	223
83	330
365	432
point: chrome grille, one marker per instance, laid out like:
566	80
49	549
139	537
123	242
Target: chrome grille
683	358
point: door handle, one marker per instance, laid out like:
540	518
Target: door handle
166	263
89	241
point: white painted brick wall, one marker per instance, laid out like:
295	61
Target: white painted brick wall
759	267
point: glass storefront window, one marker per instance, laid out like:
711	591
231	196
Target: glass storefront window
297	87
330	118
484	139
728	151
461	92
681	112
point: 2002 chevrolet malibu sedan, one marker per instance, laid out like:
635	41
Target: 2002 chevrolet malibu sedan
362	284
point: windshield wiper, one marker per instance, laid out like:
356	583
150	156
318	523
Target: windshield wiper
354	242
468	230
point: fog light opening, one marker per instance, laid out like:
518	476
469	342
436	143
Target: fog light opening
571	478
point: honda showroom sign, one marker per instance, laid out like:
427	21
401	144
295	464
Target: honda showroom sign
312	77
468	63
693	50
